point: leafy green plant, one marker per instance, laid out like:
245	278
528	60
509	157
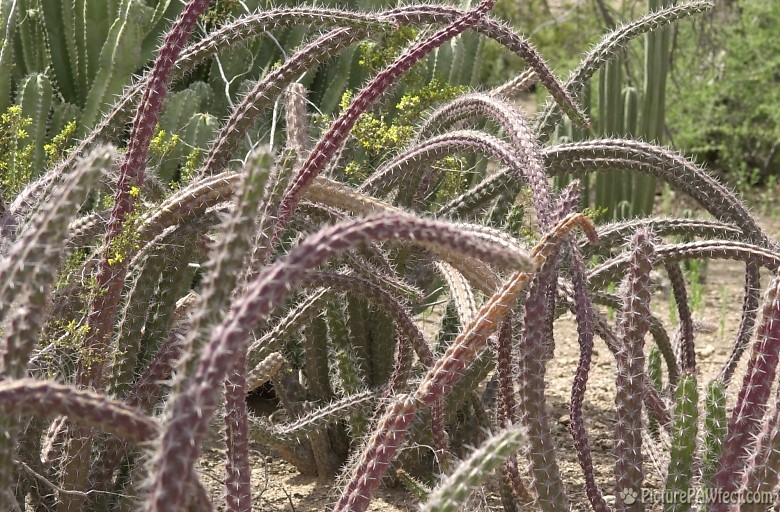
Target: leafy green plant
261	268
729	117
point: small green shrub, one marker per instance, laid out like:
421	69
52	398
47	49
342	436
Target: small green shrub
725	102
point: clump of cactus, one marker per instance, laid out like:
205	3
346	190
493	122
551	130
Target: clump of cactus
151	278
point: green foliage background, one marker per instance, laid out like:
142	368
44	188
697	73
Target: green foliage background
724	105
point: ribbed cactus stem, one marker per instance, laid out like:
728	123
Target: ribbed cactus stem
453	492
657	58
686	348
534	352
191	410
747	321
506	367
111	273
131	174
331	142
238	487
42	398
35	96
583	307
655	379
749	410
8	27
763	467
679	476
715	428
630	382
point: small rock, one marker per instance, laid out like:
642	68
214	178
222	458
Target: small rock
564	420
706	351
605	444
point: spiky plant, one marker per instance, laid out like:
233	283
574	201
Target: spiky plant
136	317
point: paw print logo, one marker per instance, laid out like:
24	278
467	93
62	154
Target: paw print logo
628	496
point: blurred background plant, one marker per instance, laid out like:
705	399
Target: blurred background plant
729	77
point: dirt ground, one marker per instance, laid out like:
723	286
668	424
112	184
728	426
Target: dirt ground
277	486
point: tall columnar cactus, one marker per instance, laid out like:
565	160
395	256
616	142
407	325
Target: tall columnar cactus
651	127
8	26
632	112
35	97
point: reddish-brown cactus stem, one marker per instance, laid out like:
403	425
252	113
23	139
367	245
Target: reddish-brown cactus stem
39	398
383	446
657	329
534	352
640	157
131	173
687	354
746	323
440	379
708	249
583	311
506	367
614	234
267	89
630	379
527	150
329	144
763	466
535	349
238	474
507	413
516	481
652	399
402	367
749	410
192	409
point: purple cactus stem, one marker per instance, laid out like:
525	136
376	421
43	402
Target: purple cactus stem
745	423
329	144
110	277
